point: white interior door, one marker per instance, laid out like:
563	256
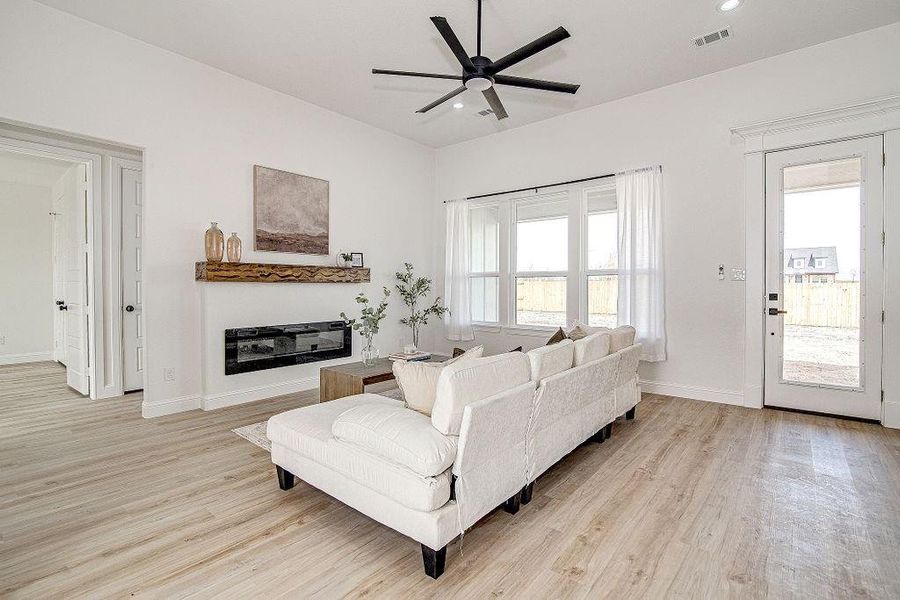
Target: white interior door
75	217
59	279
132	303
825	276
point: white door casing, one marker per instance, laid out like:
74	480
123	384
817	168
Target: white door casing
132	301
864	400
75	216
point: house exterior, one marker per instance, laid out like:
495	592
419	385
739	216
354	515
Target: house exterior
810	265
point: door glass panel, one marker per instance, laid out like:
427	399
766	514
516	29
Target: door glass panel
822	276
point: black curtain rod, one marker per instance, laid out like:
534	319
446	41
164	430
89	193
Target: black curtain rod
538	187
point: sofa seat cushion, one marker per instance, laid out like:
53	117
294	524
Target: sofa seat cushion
547	361
397	434
590	348
307	432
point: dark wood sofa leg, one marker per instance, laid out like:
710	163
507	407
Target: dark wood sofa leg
527	493
434	561
285	478
608	430
512	505
630	414
600	436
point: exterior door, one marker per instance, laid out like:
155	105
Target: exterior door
825	276
75	217
132	307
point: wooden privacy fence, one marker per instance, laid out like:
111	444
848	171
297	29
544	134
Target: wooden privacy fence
822	304
549	295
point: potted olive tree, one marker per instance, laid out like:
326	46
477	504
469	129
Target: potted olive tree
413	291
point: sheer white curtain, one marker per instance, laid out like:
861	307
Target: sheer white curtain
641	272
456	273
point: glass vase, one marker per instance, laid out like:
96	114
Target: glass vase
233	247
215	243
369	352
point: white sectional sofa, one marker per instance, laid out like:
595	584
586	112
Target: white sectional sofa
497	423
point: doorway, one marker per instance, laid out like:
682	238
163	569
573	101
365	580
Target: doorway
825	278
94	229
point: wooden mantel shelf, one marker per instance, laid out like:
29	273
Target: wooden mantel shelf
271	273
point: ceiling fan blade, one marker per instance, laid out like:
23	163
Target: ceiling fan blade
447	33
542	43
494	100
414	74
536	84
442	99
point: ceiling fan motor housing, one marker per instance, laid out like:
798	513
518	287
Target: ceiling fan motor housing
479	79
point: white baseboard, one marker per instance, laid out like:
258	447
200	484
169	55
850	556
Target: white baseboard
693	393
17	359
891	417
221	400
169	407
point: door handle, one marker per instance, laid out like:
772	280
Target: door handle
773	312
60	302
63	307
129	308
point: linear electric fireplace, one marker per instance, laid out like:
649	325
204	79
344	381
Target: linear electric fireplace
270	346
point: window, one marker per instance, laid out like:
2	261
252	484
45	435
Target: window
798	263
541	260
602	256
798	278
820	263
484	262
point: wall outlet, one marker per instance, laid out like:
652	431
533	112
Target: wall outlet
738	275
169	374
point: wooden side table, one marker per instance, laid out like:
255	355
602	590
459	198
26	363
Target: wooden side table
352	378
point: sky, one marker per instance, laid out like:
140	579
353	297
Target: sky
826	218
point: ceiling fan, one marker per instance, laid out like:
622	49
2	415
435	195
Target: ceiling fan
482	74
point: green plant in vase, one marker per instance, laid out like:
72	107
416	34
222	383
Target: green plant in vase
413	291
367	324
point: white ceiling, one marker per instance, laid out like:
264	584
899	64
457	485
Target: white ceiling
323	51
31	170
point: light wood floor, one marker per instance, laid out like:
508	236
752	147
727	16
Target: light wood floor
690	500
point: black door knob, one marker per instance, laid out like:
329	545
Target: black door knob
60	302
63	307
129	308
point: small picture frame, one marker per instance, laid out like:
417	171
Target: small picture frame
356	260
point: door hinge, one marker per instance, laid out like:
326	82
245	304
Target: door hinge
883	238
882	316
882	396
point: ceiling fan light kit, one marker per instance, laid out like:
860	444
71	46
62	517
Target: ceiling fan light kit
481	74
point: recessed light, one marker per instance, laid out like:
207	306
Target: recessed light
458	105
727	5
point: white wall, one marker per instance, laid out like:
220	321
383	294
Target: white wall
202	131
26	315
684	127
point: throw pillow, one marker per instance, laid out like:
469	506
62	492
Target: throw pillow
559	336
418	380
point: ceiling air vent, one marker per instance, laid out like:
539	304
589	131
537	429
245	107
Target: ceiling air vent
485	112
715	36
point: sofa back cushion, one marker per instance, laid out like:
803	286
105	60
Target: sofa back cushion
621	337
550	360
398	435
418	380
591	348
463	383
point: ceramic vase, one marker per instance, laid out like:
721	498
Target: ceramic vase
234	248
215	243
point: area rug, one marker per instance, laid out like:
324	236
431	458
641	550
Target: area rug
255	434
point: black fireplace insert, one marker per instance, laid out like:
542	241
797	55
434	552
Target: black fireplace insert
271	346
